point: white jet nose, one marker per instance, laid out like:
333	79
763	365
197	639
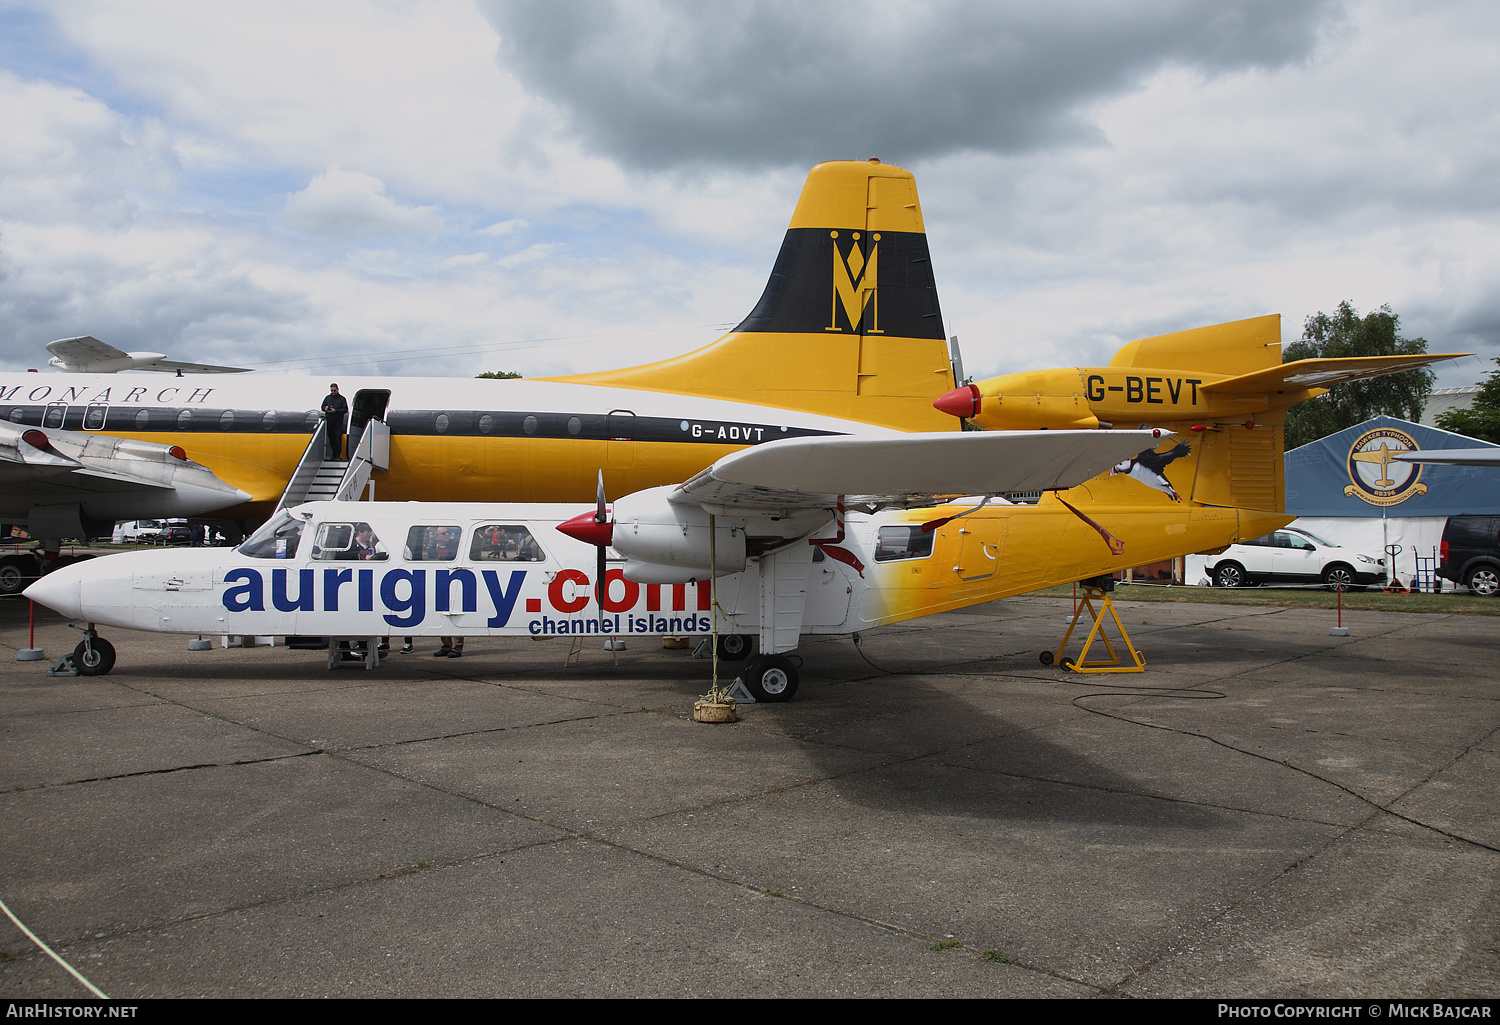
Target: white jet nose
59	591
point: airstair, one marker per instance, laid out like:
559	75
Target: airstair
320	479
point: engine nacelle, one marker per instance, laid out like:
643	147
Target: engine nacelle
665	543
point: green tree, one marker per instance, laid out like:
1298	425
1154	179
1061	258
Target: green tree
1344	333
499	375
1483	420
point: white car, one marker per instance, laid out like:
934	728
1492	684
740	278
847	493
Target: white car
139	530
1293	556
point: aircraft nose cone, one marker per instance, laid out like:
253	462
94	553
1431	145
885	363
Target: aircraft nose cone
58	591
960	402
585	528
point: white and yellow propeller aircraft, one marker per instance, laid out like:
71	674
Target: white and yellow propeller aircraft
805	536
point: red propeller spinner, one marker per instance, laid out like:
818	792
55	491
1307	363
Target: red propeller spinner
590	531
961	402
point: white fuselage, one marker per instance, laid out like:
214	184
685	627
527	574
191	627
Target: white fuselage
533	581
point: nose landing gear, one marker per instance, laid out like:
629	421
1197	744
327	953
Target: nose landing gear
94	656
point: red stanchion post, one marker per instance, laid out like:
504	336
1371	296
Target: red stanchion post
32	653
1341	630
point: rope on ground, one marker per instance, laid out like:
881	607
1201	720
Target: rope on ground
50	953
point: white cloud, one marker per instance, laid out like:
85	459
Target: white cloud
352	205
502	228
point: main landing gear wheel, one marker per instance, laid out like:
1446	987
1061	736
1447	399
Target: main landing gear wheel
15	574
734	647
1046	658
770	678
95	657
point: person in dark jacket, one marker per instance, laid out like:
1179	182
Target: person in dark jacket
336	413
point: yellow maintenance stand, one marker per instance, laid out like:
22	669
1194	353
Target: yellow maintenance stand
1081	664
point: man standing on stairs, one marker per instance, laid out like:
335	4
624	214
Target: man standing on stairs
336	412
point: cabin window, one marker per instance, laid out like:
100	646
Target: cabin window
276	539
437	543
226	420
184	419
496	542
441	423
142	419
486	424
529	425
17	414
268	422
56	414
895	543
575	425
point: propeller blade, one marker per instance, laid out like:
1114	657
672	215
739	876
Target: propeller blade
599	513
599	571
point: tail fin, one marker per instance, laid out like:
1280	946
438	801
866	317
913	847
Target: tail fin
849	323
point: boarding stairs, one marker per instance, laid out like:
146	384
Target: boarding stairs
320	479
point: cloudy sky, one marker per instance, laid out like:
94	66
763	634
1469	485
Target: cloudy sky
449	187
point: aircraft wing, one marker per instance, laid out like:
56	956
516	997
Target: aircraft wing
1323	373
48	478
911	469
1487	456
88	355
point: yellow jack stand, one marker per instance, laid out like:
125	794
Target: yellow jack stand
1082	663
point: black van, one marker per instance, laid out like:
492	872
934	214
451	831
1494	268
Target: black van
1471	553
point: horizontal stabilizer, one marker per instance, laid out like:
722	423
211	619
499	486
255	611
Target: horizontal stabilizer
1487	456
1322	373
802	473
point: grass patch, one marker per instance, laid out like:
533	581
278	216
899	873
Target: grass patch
997	956
1300	598
946	944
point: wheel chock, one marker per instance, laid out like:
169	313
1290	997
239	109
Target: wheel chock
64	666
740	693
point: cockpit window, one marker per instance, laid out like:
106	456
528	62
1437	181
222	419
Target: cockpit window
505	541
334	539
903	543
347	542
277	539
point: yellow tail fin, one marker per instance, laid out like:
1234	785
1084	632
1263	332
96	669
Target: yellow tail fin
849	323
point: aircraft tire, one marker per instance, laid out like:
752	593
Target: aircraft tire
771	678
734	647
1046	656
15	574
96	662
